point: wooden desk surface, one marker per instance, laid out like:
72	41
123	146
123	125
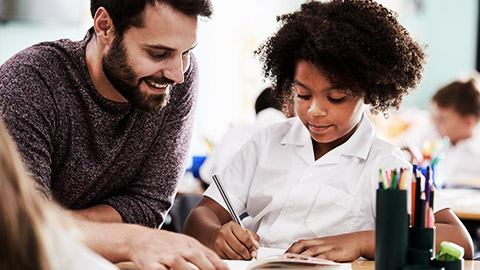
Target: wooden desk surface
357	265
370	265
465	202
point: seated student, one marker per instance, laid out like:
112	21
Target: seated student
268	110
36	234
308	183
455	114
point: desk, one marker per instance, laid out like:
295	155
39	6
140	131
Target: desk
370	265
465	202
357	265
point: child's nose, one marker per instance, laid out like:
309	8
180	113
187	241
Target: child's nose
317	110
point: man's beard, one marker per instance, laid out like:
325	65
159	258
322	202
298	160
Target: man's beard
124	79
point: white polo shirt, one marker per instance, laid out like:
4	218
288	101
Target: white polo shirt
291	196
459	165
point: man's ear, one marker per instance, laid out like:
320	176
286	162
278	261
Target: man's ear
103	24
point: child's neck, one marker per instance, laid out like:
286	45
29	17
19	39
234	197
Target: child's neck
321	149
455	141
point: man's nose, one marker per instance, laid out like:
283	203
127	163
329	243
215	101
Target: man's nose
174	70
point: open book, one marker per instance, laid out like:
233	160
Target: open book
295	261
275	258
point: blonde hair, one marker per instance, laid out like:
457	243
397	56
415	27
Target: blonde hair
22	218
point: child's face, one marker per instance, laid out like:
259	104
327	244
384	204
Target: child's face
450	123
329	112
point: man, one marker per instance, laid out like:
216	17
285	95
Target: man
104	124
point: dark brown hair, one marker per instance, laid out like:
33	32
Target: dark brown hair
462	96
128	13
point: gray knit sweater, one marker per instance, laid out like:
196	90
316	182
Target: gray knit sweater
84	149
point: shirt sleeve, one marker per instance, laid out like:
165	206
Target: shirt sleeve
238	174
439	203
28	111
150	196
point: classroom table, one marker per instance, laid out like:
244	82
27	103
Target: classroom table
356	265
465	202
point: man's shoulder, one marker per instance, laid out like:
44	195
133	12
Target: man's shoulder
37	75
49	55
42	63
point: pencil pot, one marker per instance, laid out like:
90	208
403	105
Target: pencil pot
391	229
449	265
421	245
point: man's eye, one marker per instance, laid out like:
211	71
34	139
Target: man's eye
336	100
306	97
157	55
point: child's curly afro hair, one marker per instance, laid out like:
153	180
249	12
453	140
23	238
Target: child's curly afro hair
356	43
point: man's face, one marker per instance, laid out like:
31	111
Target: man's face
146	62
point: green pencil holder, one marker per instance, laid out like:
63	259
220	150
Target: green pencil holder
391	229
421	246
449	265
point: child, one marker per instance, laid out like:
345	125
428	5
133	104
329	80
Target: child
314	176
455	114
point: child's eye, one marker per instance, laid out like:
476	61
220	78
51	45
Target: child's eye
336	100
306	97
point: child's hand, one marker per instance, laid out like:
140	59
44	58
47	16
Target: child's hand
340	248
234	243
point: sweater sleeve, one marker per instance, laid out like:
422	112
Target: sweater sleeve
28	110
150	196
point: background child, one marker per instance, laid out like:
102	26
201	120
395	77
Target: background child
455	114
268	110
314	176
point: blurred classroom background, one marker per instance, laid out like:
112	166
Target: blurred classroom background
230	76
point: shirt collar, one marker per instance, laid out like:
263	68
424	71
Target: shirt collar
470	144
358	145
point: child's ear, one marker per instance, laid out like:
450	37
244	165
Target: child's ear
471	120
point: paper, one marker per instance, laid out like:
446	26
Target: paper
269	258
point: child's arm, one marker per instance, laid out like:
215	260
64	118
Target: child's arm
450	228
340	248
212	225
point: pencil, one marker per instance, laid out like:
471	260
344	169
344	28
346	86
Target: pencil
233	214
414	197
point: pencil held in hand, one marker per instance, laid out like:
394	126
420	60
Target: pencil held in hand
232	212
227	201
